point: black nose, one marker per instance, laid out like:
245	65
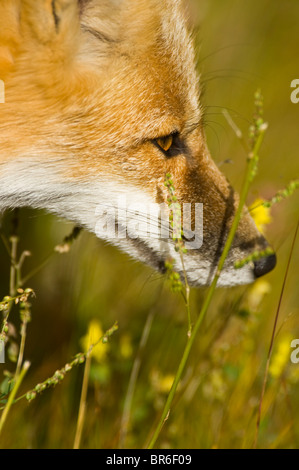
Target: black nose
264	265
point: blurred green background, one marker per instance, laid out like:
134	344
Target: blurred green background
242	46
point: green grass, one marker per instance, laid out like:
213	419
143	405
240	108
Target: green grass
217	400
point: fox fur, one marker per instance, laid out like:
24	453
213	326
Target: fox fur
90	86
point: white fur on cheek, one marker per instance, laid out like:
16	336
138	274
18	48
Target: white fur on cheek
24	183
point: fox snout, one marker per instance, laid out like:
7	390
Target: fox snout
205	183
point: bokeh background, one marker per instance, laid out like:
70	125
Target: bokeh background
242	46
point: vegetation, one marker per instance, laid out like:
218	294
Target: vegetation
214	364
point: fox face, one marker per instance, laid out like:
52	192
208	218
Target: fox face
102	100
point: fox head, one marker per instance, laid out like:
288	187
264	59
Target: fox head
102	100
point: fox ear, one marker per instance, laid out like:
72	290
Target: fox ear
50	21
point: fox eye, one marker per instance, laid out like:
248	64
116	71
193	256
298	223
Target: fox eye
165	142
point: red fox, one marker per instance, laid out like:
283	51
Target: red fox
102	100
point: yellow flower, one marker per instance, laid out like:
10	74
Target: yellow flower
126	348
161	383
280	357
260	214
257	293
93	335
166	382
